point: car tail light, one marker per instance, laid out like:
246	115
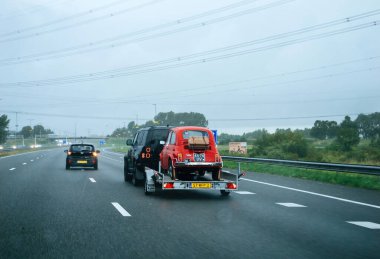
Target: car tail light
179	157
168	185
69	153
231	186
94	154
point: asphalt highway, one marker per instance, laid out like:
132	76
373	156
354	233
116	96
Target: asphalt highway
48	212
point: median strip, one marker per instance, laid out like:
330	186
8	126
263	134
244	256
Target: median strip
122	211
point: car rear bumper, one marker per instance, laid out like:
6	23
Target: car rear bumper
198	164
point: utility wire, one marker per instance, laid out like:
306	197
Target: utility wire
92	46
115	73
106	16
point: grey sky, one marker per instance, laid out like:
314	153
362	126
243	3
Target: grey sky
279	73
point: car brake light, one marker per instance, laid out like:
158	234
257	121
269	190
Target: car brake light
94	154
231	186
168	185
179	157
69	153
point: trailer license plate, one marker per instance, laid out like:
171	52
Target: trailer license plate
82	162
201	185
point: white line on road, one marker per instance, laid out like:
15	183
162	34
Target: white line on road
314	193
121	209
244	192
24	163
31	160
92	180
12	169
365	224
291	205
111	159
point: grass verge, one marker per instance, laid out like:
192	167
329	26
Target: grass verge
371	182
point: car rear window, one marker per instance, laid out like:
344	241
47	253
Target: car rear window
194	133
82	148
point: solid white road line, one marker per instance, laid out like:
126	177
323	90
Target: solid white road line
365	224
11	169
121	209
244	192
314	193
92	180
291	205
111	159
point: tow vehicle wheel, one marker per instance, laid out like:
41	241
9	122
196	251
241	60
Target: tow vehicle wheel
224	193
171	170
96	166
67	166
135	181
127	176
216	175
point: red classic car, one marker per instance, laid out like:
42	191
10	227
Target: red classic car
190	150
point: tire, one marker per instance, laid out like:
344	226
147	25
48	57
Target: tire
127	175
171	170
135	181
146	186
216	175
224	193
96	166
67	166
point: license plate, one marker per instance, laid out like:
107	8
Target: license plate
199	157
82	162
201	185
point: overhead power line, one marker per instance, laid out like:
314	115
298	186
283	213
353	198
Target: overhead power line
113	42
102	17
150	67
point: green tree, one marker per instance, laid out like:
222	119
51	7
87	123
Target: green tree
180	119
347	134
26	131
324	129
40	130
3	128
369	127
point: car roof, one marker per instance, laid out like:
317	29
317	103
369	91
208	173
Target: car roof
183	128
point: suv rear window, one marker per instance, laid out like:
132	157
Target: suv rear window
194	133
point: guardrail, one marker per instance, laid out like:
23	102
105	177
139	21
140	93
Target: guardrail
349	168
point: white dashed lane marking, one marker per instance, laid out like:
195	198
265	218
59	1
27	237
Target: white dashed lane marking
365	224
122	211
244	192
291	205
24	163
92	180
32	160
11	169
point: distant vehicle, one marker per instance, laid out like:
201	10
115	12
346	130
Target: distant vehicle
144	152
191	150
82	155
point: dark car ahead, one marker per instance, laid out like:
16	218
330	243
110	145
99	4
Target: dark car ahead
82	156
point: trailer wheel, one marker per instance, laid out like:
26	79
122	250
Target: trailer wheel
146	186
171	170
224	193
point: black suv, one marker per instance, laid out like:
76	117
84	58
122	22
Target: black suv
82	155
144	152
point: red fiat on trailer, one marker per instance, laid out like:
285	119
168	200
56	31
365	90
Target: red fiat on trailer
190	150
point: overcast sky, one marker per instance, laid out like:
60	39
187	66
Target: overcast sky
95	65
